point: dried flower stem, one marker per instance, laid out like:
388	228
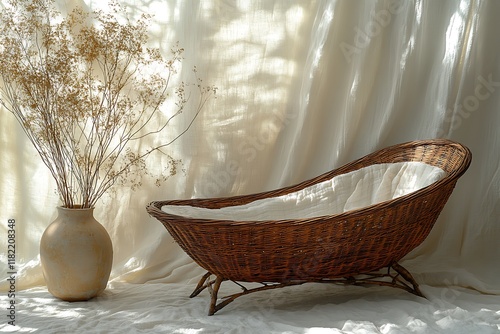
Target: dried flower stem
84	88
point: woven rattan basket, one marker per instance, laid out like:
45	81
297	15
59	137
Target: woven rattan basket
349	248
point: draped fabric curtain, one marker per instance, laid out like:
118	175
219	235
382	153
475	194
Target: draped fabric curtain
303	87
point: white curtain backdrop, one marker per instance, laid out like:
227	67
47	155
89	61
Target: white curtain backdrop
303	87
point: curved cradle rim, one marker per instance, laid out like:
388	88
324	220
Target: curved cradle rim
434	152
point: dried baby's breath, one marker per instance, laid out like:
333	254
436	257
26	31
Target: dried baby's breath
82	88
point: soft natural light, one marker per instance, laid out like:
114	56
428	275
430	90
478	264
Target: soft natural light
456	31
188	331
323	28
298	91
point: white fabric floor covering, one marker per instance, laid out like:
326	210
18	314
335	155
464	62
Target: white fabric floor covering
357	189
306	309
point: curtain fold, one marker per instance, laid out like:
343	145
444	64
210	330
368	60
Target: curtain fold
304	87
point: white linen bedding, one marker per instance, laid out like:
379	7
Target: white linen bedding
363	187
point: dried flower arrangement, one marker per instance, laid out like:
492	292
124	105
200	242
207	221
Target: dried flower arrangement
82	88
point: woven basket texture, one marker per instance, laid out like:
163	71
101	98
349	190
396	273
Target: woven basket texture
323	247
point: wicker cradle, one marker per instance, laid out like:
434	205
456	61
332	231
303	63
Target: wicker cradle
357	247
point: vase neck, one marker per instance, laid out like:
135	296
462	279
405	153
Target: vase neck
75	214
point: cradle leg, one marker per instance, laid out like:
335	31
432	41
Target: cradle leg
202	284
213	293
408	277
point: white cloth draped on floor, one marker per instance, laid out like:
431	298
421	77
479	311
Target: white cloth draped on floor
303	87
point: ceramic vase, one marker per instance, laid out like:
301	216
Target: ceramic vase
76	254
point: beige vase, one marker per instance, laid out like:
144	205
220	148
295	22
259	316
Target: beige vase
76	255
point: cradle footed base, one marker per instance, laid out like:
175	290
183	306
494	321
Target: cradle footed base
393	276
